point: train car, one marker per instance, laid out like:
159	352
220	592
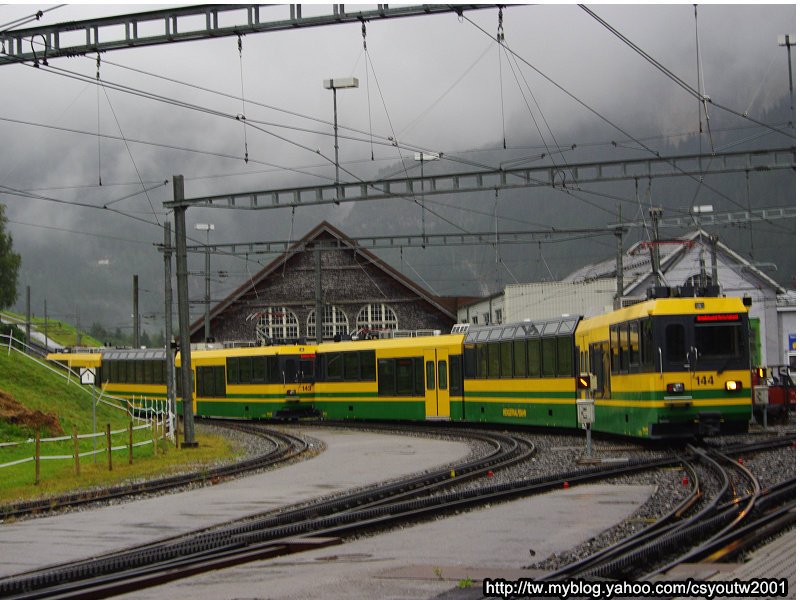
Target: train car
669	367
138	376
409	379
522	373
254	382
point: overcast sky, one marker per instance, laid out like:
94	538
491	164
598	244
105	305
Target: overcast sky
436	82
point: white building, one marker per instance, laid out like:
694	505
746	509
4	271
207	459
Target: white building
688	261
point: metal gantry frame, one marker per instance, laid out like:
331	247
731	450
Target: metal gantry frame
567	176
190	23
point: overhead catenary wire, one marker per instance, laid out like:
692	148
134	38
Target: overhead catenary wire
130	154
369	99
685	86
638	141
5	27
501	36
394	142
241	79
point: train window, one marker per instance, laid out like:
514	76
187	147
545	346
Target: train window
148	372
442	374
367	358
548	357
551	328
219	381
430	375
634	341
245	370
494	361
289	370
456	378
306	374
233	370
351	366
404	373
259	369
333	366
139	371
419	380
646	343
273	374
386	385
482	353
505	359
534	358
566	351
675	339
613	333
719	340
624	348
519	358
469	363
211	382
130	367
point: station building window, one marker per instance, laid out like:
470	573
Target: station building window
277	322
376	317
334	322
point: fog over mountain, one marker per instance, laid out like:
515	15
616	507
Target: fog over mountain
435	83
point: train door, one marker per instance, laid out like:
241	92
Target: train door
437	390
600	365
676	353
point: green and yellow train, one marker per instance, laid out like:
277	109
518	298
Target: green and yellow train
669	367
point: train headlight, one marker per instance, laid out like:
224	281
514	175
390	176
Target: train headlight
733	386
675	388
291	392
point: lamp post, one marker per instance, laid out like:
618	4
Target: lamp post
338	84
422	157
208	228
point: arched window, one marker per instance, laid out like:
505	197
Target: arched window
277	322
334	322
376	316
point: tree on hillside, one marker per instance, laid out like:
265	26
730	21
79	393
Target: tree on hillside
9	264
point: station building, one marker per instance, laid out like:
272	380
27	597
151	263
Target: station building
359	293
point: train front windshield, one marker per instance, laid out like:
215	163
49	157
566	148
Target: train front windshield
705	342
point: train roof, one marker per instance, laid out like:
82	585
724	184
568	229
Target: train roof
669	306
253	351
525	330
135	354
404	342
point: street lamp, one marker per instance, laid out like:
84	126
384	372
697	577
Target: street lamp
208	228
422	157
338	84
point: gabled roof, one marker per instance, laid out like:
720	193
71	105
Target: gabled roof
636	266
446	305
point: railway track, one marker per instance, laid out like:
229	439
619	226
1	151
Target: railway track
737	514
270	534
419	497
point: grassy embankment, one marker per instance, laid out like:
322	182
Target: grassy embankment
58	331
32	397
